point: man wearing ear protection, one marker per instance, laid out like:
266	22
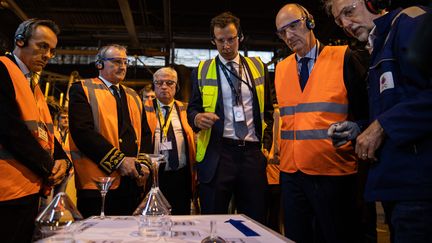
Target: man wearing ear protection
316	86
172	136
230	112
399	137
105	126
31	159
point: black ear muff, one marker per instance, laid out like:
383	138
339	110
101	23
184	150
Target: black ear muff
377	6
99	64
22	38
310	22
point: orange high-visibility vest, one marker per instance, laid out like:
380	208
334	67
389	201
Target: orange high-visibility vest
16	180
102	103
152	121
307	115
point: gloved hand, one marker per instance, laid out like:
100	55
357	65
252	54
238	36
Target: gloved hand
343	132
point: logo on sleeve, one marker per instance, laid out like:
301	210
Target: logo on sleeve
386	81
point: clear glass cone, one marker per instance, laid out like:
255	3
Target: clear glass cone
57	217
153	211
213	237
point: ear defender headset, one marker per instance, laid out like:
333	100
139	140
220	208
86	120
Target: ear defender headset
377	6
310	22
99	64
24	34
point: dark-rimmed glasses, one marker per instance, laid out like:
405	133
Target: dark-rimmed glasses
160	83
346	12
291	27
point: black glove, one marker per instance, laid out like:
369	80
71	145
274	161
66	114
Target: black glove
343	132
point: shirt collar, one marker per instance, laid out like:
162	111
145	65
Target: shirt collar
22	66
312	54
371	39
108	83
162	104
235	60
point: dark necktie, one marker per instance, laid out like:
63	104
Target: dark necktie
116	93
31	77
173	160
304	72
240	127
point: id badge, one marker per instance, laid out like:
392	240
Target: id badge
43	134
238	113
166	145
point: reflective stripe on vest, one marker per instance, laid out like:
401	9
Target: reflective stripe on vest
16	180
102	102
208	85
307	115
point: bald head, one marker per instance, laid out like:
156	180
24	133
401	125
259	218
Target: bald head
292	29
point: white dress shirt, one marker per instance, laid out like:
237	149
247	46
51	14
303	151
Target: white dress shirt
178	133
247	98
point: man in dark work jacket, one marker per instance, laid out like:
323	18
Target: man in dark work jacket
105	126
30	157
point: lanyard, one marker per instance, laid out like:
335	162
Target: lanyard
166	123
234	91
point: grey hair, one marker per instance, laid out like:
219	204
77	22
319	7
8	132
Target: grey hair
328	4
165	70
103	50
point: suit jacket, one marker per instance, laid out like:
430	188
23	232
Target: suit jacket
207	167
14	134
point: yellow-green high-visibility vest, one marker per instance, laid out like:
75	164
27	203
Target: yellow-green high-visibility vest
208	85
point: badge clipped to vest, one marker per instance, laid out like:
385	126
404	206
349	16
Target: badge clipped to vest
238	113
42	132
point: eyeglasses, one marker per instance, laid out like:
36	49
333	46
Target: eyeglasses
346	12
160	83
291	27
229	41
117	61
43	47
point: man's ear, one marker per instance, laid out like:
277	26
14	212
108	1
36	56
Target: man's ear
19	43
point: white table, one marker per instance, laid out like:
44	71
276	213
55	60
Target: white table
190	228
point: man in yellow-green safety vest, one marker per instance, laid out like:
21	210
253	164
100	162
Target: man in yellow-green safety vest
230	108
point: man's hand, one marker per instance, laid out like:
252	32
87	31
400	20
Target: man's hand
205	120
143	176
58	172
369	141
343	132
127	167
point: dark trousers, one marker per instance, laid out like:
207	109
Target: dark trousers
176	187
241	172
320	208
411	221
274	217
120	201
17	219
